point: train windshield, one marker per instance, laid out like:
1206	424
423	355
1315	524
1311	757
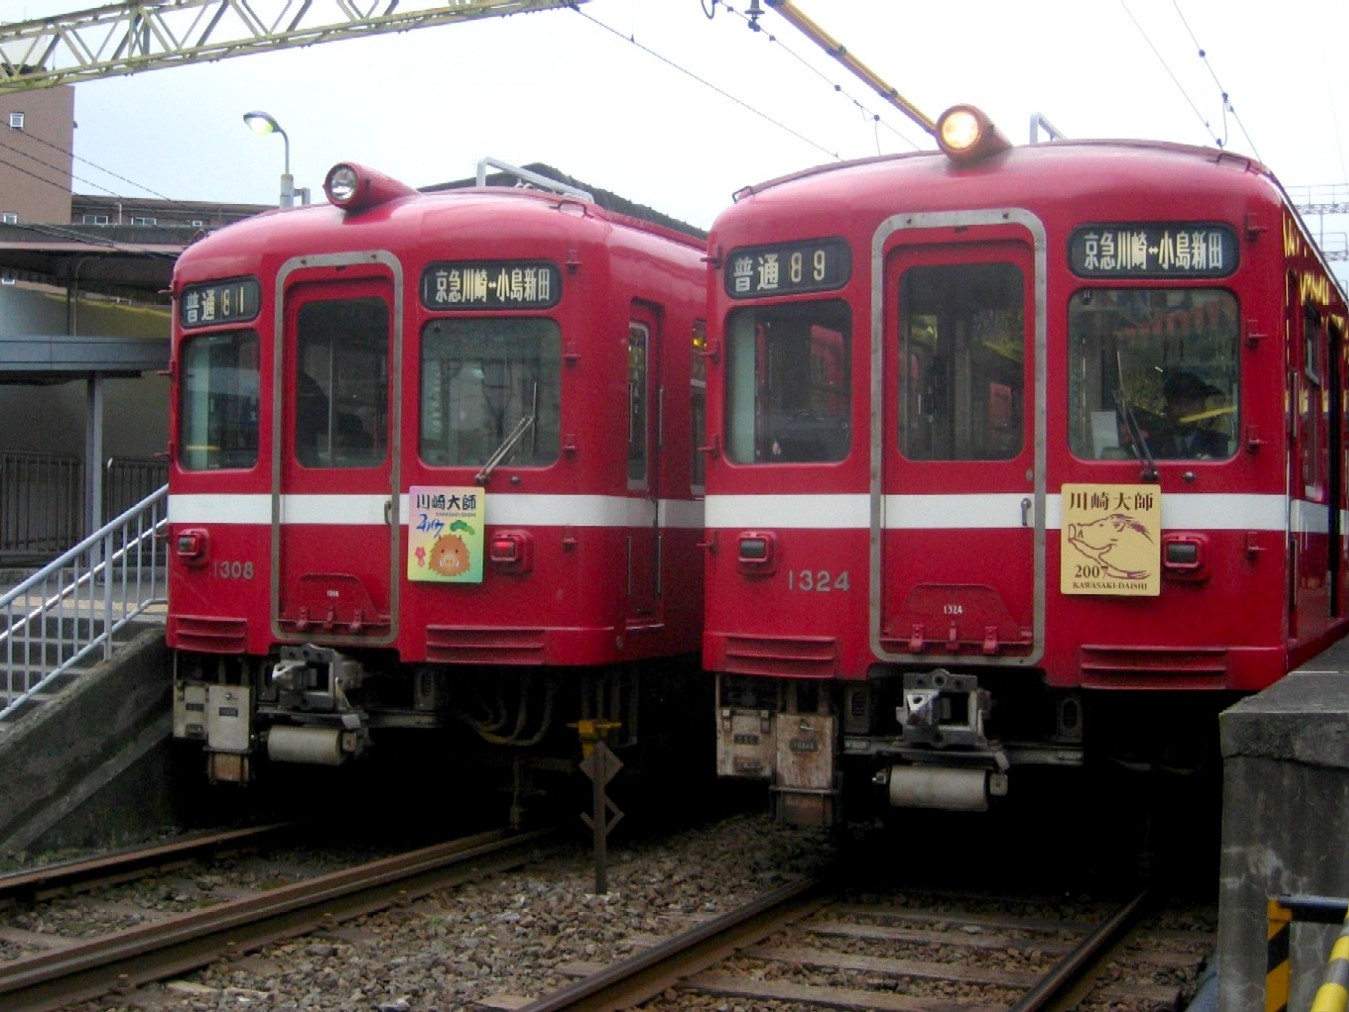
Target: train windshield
788	372
1153	372
218	412
481	379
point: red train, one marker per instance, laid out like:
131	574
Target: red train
432	466
1019	456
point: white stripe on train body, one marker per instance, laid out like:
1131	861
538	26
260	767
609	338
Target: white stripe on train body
1212	511
503	510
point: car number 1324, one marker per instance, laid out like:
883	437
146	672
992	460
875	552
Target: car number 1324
817	579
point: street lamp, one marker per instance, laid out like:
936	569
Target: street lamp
261	123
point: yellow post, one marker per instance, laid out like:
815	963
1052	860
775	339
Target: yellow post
1279	923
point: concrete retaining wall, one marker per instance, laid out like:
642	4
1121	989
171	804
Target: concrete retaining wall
1285	824
92	768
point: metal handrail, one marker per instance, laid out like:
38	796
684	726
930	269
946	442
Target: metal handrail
107	580
1281	913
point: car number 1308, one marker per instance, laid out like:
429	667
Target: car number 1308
818	580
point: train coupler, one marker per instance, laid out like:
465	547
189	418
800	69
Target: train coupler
943	710
314	679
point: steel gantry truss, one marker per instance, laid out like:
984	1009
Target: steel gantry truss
1327	199
125	38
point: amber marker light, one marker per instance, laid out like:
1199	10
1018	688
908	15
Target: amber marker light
966	134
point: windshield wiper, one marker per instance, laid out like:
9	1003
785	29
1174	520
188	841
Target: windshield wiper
502	451
1142	451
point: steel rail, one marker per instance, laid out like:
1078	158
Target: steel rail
648	973
37	883
1065	973
126	959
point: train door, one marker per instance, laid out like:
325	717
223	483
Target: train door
643	487
335	453
958	475
1316	476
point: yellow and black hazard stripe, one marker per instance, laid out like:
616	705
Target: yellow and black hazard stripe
1281	912
1278	932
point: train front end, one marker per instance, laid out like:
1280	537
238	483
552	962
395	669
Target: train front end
418	480
1021	458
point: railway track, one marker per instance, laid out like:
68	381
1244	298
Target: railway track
46	881
67	964
667	936
810	945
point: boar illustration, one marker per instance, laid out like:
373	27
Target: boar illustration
449	555
1118	543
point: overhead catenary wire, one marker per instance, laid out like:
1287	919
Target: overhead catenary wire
94	165
784	123
772	38
706	83
59	184
1226	98
56	231
1167	67
709	8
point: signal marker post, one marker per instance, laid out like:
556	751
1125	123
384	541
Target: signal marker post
600	765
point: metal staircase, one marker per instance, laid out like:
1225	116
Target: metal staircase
73	612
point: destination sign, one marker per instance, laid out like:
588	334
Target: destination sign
220	302
1159	250
819	265
491	284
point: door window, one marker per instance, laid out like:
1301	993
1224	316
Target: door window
698	415
1312	402
638	407
341	383
962	367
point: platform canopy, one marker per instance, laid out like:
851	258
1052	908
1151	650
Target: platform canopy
128	261
47	359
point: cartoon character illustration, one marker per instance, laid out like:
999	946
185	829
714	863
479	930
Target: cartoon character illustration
449	555
1118	543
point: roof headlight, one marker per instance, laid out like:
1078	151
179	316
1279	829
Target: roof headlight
959	129
966	134
341	185
355	188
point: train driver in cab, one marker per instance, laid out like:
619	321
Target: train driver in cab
1190	410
